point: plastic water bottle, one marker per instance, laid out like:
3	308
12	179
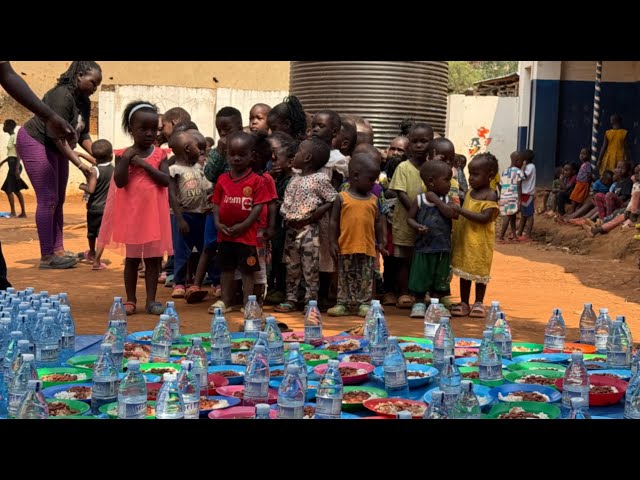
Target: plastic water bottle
635	361
467	405
329	394
555	333
189	386
48	344
395	370
174	321
379	340
132	393
105	380
313	324
368	322
5	335
443	343
262	340
200	364
579	409
63	298
256	378
161	340
502	335
263	411
450	382
603	325
404	415
618	348
117	312
10	354
588	325
437	409
291	395
431	319
295	357
489	359
31	323
252	317
576	380
276	344
632	397
16	361
170	402
68	334
492	314
18	387
113	335
626	329
220	342
34	405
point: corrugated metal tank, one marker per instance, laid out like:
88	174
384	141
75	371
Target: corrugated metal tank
384	93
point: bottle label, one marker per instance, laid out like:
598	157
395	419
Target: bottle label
276	353
256	389
601	342
175	329
430	329
313	335
192	409
490	372
290	412
329	406
573	391
104	389
47	354
395	379
15	399
201	375
159	352
68	342
505	348
377	354
252	325
132	410
588	336
554	343
618	359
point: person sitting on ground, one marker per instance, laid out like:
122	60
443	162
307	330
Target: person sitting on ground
588	209
550	199
569	178
611	201
583	180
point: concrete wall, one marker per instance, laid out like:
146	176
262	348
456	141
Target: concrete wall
479	124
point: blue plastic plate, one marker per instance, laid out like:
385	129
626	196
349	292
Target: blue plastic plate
50	392
233	401
476	342
239	380
467	361
553	394
545	357
414	382
482	392
623	374
135	337
343	415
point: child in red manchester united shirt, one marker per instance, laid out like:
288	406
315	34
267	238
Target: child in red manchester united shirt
238	199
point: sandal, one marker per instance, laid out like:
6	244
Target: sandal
195	294
478	311
418	310
285	307
155	308
178	291
363	310
405	301
338	311
102	266
219	304
129	307
162	277
389	299
460	309
58	263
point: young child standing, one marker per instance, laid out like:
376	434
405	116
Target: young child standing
527	196
510	195
615	146
308	197
583	182
431	217
137	211
97	187
238	199
13	183
474	236
354	235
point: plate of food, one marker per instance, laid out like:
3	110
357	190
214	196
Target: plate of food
143	337
420	340
389	407
513	392
242	344
355	357
354	397
467	361
419	358
136	351
462	352
468	342
535	377
181	349
237	391
239	358
545	357
603	390
237	413
595	361
216	402
524	410
620	373
523	348
206	337
318	356
470	373
111	409
417	375
579	347
352	373
483	393
77	391
518	366
159	368
83	361
413	347
350	345
297	336
59	407
233	373
63	375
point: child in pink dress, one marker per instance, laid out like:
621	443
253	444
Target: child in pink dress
136	215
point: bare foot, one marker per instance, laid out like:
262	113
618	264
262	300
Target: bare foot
22	215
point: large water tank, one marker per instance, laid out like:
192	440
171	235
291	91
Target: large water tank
384	93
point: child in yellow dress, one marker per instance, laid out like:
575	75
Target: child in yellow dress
615	146
474	235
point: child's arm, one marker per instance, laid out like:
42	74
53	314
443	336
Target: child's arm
320	211
216	218
159	175
485	216
87	157
240	228
381	234
183	226
411	220
334	227
92	181
404	199
272	212
444	208
121	171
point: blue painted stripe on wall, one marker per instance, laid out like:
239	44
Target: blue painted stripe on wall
545	128
523	135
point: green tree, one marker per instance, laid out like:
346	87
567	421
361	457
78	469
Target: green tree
462	75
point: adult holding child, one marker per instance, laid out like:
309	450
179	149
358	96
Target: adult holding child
46	155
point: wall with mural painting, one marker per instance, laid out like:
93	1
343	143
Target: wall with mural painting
480	124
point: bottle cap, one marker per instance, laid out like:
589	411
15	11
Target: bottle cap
65	308
576	355
604	310
133	365
170	304
251	298
34	385
294	345
262	409
557	311
169	377
587	305
620	318
393	339
375	302
495	303
435	301
291	368
16	334
117	299
466	385
450	359
259	349
23	343
488	334
164	318
404	415
187	365
196	341
313	303
333	364
444	320
27	357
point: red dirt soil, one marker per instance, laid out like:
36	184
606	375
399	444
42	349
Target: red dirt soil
528	279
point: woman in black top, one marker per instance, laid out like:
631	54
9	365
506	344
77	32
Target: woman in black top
46	157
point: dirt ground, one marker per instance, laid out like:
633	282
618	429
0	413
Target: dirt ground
563	269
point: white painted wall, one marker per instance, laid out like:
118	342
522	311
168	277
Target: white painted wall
499	115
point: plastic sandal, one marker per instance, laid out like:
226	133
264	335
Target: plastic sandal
218	304
155	308
418	310
195	294
178	291
363	310
405	301
102	266
129	308
389	299
459	309
338	311
285	307
478	311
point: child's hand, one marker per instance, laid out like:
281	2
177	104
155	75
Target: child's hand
225	230
422	230
431	197
82	186
381	247
268	234
334	250
136	161
183	226
237	229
